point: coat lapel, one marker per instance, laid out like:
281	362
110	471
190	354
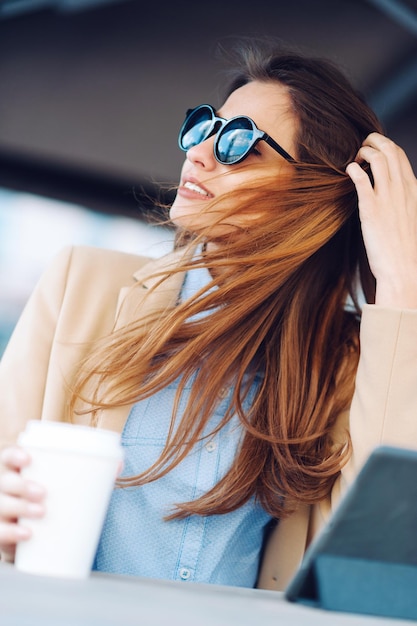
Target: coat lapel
144	297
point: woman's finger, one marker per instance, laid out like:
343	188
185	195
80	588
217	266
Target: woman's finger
361	181
12	508
11	534
12	483
14	458
396	158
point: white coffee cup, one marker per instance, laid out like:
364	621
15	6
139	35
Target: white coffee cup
77	465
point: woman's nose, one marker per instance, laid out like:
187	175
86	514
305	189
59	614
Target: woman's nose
203	154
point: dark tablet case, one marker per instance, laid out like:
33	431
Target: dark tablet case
365	559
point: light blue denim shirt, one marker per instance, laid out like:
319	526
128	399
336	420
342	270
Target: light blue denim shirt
136	540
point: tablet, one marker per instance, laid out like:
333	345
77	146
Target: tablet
365	559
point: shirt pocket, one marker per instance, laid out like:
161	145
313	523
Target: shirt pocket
149	420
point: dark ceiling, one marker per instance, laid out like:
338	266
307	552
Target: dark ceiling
93	92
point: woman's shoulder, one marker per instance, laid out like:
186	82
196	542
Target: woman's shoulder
89	264
85	278
86	273
103	258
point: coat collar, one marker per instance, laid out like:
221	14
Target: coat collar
145	295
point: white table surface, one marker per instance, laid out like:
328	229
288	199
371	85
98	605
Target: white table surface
104	600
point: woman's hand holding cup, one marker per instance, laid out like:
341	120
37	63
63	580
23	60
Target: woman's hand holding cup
19	497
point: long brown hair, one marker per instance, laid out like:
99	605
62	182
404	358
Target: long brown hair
278	310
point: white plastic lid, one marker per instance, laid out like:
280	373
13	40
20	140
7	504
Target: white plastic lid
70	437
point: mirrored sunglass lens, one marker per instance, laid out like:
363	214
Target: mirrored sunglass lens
196	129
235	140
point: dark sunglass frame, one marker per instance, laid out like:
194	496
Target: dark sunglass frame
218	126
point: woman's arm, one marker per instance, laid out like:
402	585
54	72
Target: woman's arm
384	405
23	374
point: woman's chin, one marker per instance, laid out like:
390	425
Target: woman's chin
187	217
197	219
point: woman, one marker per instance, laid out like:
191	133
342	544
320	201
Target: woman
231	366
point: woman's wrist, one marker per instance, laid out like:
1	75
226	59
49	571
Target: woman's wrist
397	294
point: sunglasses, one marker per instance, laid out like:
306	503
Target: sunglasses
235	138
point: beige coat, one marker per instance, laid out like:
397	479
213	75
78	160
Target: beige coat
87	291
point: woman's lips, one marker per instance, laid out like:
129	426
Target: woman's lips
193	189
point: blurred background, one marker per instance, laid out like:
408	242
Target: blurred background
92	93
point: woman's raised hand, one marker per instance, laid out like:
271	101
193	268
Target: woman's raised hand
388	214
18	498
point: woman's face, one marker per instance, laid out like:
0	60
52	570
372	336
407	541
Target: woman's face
203	178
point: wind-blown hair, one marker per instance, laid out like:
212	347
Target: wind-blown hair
278	310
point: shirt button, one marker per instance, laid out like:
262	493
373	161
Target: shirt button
185	573
211	446
224	392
